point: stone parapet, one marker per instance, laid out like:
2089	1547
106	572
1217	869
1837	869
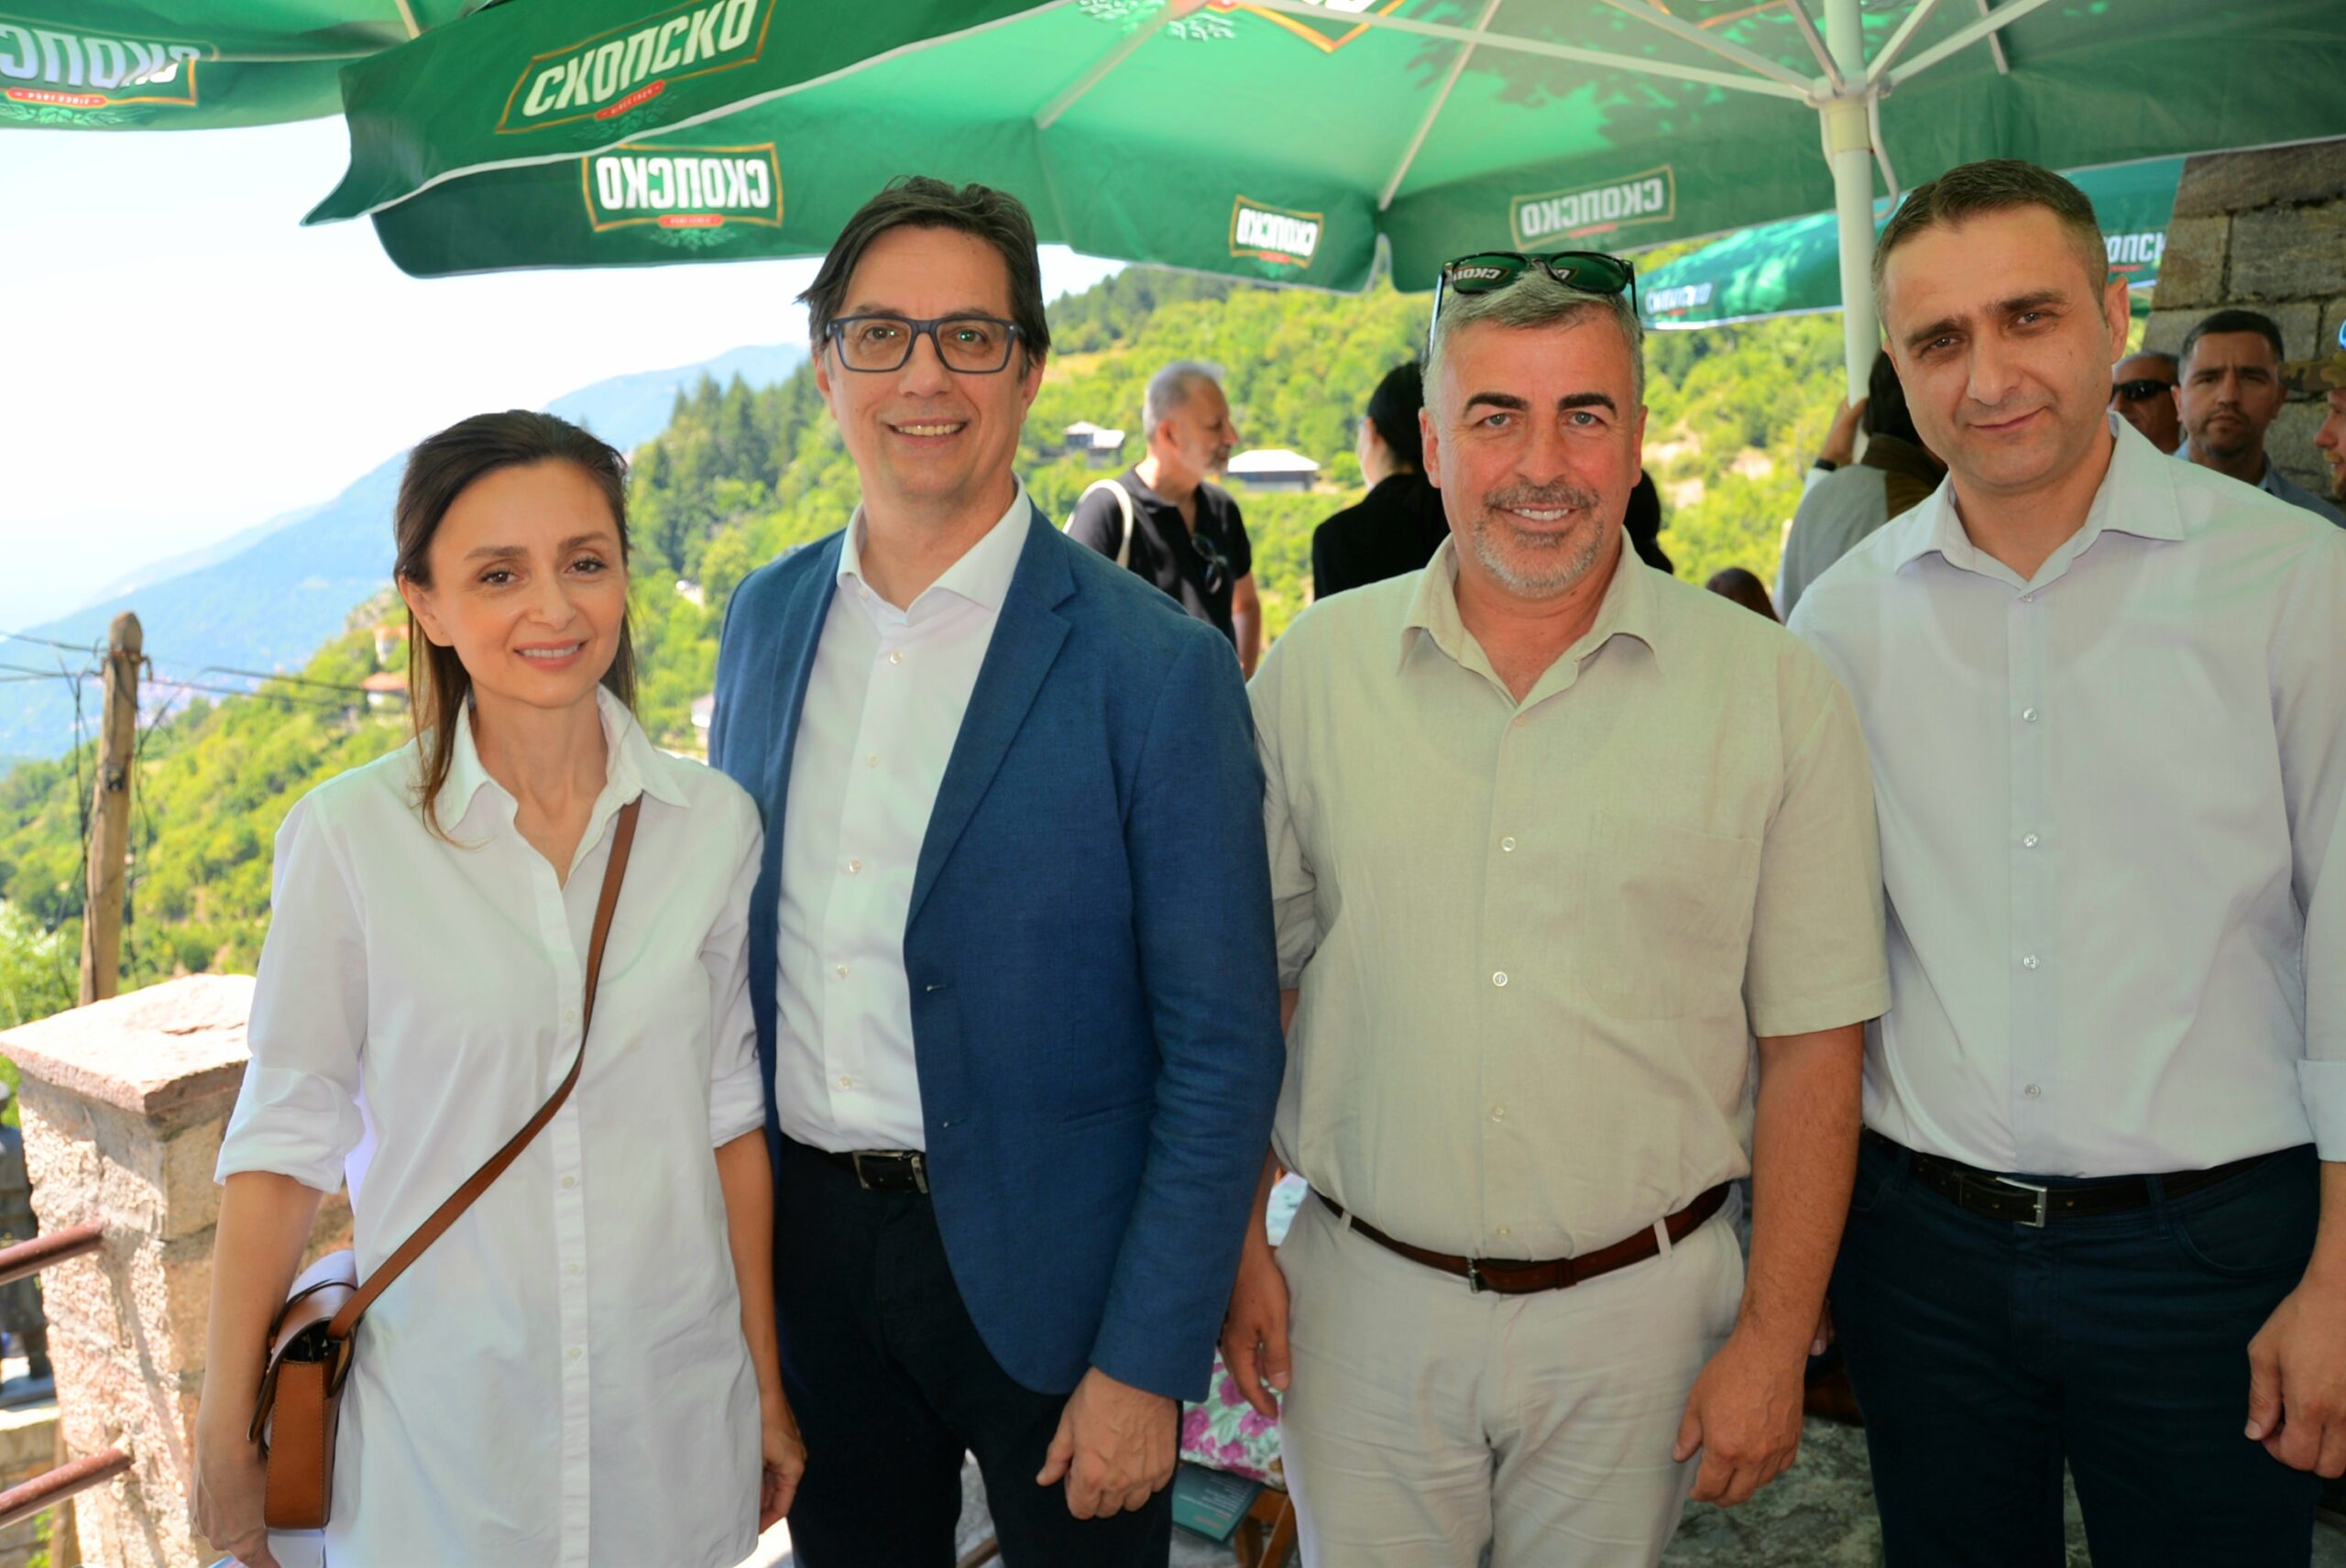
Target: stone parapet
125	1104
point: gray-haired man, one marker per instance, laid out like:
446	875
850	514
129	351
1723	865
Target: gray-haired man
1553	838
1172	526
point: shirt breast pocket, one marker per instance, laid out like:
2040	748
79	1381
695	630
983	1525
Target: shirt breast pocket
1667	918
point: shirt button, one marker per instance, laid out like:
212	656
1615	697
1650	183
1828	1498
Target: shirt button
896	655
570	1181
873	761
846	1082
571	1269
855	866
2029	962
1503	1230
2029	842
576	1352
1499	978
842	971
2029	713
2033	1092
1499	1112
1507	844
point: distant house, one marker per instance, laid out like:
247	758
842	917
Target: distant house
690	592
389	641
704	714
386	691
1274	468
1100	446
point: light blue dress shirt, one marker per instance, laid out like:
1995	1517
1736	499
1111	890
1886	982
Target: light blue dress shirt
2110	800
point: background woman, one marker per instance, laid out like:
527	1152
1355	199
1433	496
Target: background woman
582	1370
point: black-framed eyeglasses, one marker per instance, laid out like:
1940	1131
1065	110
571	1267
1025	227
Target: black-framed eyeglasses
2141	390
972	346
1487	271
1217	572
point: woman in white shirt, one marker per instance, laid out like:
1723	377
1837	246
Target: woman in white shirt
583	1371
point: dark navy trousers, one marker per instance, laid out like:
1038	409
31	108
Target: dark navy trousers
1986	1355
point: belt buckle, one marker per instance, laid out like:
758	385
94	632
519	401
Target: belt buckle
2038	1223
1474	1278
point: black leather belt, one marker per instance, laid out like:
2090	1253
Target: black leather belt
2007	1198
882	1170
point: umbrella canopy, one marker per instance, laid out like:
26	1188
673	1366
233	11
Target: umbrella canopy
1282	139
1794	268
191	64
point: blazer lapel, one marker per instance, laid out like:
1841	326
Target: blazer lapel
1027	640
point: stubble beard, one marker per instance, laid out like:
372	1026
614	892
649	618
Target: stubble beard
1558	561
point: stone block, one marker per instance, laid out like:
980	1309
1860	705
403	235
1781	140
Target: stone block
27	1441
150	1052
2289	253
2191	271
2333	320
2165	330
2298	320
2231	181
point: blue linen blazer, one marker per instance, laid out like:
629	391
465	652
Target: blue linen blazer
1090	948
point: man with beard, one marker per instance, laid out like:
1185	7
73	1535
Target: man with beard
1170	524
1553	838
2232	391
2096	1224
2326	378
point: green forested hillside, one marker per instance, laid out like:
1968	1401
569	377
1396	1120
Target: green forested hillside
739	476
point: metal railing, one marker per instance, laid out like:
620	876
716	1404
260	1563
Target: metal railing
55	1485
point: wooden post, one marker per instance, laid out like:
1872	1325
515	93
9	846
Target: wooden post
110	815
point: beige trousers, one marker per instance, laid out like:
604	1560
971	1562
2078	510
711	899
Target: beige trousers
1426	1423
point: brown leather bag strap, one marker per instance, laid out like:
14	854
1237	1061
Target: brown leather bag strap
346	1321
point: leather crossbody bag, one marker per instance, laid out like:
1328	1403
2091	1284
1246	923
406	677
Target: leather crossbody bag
310	1349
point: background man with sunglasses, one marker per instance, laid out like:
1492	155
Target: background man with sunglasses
2142	389
1011	949
1187	536
1554	837
2100	1218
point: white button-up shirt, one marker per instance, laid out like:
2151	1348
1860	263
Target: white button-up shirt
2110	801
561	1380
883	707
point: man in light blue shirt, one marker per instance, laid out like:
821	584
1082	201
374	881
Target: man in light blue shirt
2106	1110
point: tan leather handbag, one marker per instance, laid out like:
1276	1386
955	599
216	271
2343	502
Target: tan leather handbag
310	1348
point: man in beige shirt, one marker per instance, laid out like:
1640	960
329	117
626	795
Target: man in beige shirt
1553	838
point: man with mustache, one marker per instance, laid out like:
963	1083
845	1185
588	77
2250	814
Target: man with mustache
2106	1112
2230	393
1170	523
1553	838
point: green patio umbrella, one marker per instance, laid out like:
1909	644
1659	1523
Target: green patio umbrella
1794	268
172	65
1282	139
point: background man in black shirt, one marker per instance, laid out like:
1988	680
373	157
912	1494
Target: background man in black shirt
1185	534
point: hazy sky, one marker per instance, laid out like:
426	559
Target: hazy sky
180	359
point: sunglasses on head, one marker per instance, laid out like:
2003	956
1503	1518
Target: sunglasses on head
2140	389
1488	271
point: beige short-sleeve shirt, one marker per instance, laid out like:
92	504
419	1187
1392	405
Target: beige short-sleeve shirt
1533	940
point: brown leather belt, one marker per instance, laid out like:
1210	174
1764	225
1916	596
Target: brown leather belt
1518	1279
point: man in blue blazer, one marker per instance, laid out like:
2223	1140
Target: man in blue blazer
1011	947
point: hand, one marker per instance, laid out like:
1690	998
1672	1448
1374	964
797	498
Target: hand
786	1459
1254	1336
1840	447
231	1479
1744	1415
1115	1447
2296	1380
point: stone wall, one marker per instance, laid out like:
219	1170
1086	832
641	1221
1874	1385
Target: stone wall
2265	230
125	1104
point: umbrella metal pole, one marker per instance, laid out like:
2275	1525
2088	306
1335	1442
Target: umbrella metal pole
1848	146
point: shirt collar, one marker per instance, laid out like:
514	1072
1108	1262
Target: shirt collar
1629	609
631	767
981	576
2136	496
